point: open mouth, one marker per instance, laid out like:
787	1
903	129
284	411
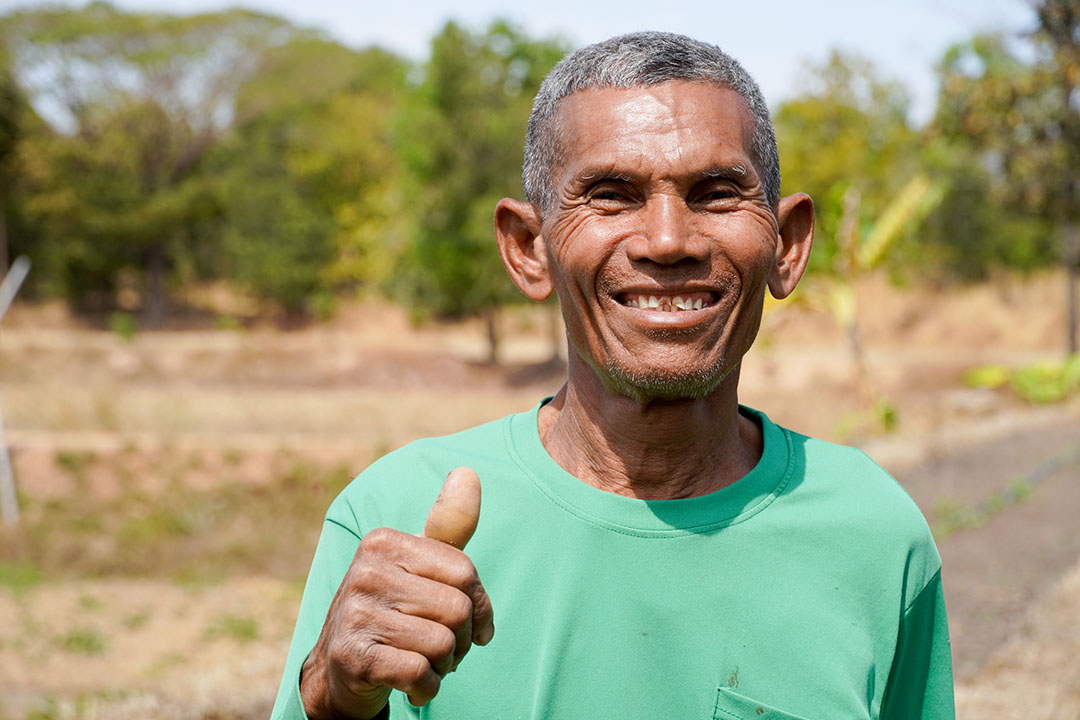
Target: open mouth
668	303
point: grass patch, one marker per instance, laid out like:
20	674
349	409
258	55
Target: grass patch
75	463
19	576
174	527
1040	383
90	602
85	641
235	627
136	620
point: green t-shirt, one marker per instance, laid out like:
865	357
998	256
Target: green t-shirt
808	589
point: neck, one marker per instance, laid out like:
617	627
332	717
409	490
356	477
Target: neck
649	449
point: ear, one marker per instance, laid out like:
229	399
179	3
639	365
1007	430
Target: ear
517	228
795	215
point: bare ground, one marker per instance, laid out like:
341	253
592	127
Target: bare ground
114	607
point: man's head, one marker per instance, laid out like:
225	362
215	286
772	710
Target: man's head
639	60
658	227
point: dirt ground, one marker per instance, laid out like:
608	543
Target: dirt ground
172	483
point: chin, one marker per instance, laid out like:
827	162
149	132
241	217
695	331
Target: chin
653	384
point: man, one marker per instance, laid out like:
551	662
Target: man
651	548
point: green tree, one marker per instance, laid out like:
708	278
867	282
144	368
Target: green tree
310	179
847	132
13	114
1014	116
462	138
136	100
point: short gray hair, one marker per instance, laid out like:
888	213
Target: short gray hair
639	60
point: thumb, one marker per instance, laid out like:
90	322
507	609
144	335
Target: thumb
456	511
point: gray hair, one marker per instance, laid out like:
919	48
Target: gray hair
639	60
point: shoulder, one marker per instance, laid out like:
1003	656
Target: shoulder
397	489
846	491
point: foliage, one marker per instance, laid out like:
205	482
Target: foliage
996	136
137	100
462	141
1042	382
309	183
848	132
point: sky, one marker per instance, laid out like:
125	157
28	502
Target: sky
775	40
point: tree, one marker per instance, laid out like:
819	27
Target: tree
310	179
847	132
462	141
136	101
1016	116
12	119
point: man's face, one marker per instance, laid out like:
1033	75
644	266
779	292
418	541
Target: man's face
661	241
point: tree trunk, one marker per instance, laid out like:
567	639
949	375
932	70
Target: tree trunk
154	301
1072	259
490	316
4	264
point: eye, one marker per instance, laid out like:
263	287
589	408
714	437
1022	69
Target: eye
611	195
714	194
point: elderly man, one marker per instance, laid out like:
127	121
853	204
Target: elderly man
651	548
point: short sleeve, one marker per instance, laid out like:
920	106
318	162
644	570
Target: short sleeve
334	553
920	681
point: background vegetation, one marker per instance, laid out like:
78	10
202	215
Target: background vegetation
144	152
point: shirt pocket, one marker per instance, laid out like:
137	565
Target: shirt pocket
730	705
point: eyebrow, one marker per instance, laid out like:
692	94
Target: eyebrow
737	172
725	172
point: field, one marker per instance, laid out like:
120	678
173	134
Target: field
171	483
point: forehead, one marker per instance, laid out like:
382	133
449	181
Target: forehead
673	125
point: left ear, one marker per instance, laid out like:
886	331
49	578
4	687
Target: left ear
795	215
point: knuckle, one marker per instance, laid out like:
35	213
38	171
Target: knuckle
413	670
366	576
481	605
347	656
462	572
379	540
443	642
458	609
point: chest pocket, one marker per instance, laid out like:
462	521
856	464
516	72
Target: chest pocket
731	705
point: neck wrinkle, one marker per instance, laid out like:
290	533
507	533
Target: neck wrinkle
659	450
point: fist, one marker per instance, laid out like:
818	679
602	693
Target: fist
407	612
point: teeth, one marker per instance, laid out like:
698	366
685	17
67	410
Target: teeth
665	303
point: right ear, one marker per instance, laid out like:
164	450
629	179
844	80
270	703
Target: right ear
517	228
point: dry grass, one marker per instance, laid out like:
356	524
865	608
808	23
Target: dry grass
1036	673
172	484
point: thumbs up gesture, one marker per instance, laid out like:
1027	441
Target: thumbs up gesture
408	610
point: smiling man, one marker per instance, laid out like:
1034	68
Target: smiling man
651	548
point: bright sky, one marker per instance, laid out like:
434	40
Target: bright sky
774	39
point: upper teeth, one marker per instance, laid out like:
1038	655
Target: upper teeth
665	302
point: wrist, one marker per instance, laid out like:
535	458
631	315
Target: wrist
315	690
318	700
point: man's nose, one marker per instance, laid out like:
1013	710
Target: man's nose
667	234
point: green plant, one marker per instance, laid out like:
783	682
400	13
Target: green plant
243	629
1042	382
123	325
86	641
987	376
19	576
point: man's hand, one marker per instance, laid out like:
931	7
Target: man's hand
406	613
